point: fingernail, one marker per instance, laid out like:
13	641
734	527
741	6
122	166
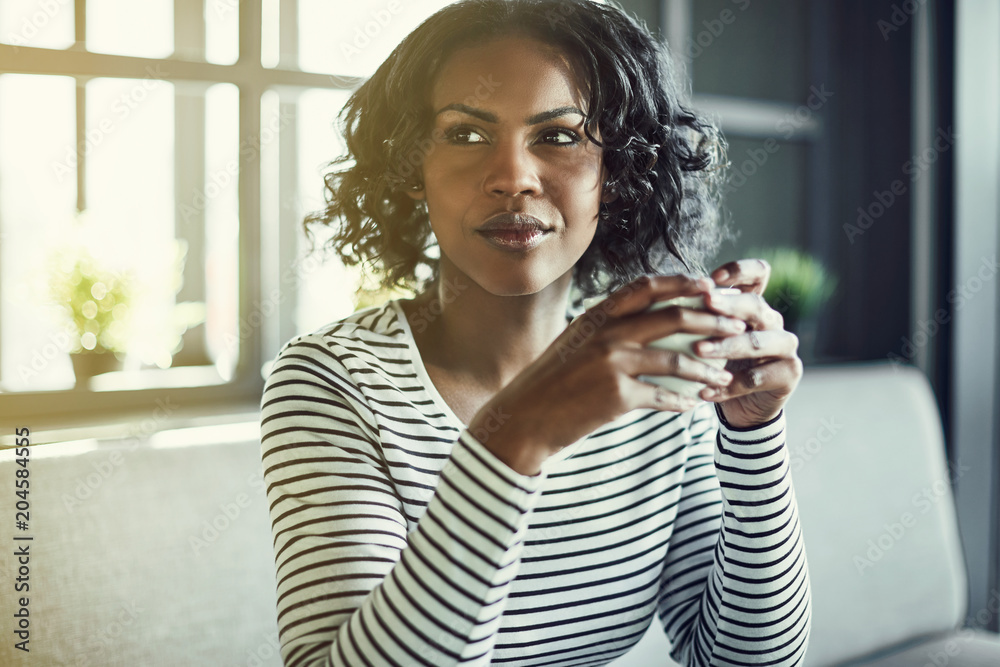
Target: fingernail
710	393
735	325
723	377
708	348
723	275
704	283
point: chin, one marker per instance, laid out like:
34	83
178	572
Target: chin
505	282
510	286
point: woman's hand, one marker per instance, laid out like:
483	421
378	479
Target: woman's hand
764	360
588	376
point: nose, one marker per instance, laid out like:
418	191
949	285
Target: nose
511	170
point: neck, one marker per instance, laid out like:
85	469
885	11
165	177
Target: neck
489	339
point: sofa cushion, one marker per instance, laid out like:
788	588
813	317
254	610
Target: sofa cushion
146	556
963	648
874	492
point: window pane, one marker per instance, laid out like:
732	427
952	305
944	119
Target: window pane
130	200
222	19
327	292
297	140
222	226
766	198
354	38
130	28
37	23
757	50
37	196
119	264
270	25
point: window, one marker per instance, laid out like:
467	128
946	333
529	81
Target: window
156	163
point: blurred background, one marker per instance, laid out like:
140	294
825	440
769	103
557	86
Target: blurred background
157	160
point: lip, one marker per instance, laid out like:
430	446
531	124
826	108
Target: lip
509	221
513	231
516	240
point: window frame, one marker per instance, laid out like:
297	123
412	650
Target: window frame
87	409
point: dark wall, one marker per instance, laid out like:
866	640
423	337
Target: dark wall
871	169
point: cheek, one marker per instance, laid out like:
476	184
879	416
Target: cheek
576	185
445	164
445	179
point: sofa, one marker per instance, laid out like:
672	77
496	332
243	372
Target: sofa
156	550
867	459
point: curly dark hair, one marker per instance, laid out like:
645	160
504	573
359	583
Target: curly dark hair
664	161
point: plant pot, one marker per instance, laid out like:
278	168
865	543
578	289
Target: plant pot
88	364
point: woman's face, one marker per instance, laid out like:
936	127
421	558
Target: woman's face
508	138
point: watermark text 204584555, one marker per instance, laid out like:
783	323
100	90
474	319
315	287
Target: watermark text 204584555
22	540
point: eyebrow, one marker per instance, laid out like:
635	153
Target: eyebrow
530	120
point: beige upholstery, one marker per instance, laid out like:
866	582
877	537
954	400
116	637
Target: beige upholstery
873	488
119	578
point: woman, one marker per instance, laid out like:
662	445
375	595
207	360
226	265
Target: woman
476	475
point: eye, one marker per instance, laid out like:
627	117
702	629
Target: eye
559	137
463	134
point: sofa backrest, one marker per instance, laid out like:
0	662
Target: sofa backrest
149	555
873	490
145	555
878	517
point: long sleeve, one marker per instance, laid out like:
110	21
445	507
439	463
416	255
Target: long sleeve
354	586
735	585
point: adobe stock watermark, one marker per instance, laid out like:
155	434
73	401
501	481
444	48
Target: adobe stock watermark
801	453
86	486
546	535
426	314
269	648
787	126
884	199
121	108
371	29
925	330
973	623
923	500
901	13
495	419
221	179
419	150
104	640
269	305
592	319
560	14
228	514
222	8
714	28
56	346
784	301
33	23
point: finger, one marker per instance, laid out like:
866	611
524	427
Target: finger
750	307
660	398
748	275
780	375
751	345
649	327
639	294
654	361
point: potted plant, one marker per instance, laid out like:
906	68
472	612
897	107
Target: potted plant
798	287
96	302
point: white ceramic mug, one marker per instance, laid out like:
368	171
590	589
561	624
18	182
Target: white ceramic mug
678	342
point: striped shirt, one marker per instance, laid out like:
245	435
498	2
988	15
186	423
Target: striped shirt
401	540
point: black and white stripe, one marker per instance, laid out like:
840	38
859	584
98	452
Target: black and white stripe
400	540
